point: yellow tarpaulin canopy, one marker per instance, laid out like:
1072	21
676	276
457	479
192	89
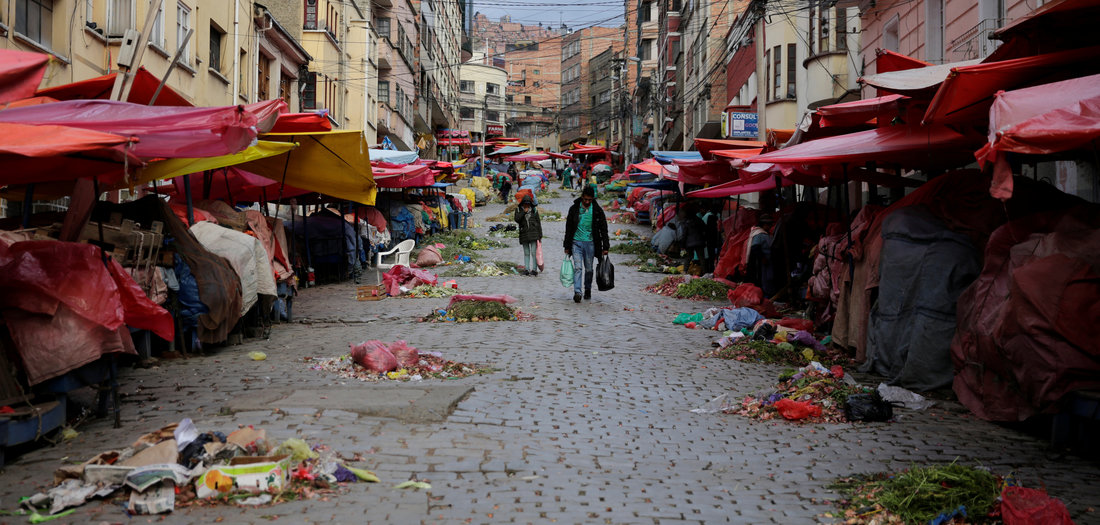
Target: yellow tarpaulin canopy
167	169
334	163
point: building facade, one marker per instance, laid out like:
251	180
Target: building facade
577	50
641	34
440	51
396	24
481	100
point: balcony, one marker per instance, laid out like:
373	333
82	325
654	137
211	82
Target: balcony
974	43
385	55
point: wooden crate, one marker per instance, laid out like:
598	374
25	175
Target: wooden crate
370	293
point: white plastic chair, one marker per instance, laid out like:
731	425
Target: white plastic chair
400	254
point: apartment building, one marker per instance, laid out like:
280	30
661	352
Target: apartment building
704	25
578	49
439	55
481	100
641	33
396	23
668	82
605	72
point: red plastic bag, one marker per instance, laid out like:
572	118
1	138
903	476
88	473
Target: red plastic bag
797	323
525	191
374	356
406	355
747	294
1023	506
794	410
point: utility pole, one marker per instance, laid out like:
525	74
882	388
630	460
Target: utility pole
484	131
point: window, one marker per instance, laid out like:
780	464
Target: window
383	26
842	28
605	96
309	90
646	49
156	36
466	113
399	99
890	40
527	100
777	60
183	26
284	87
823	30
674	5
466	86
492	116
310	16
645	12
509	98
792	59
120	15
263	74
536	72
34	20
492	89
217	37
384	91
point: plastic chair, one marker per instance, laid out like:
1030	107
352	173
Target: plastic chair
400	254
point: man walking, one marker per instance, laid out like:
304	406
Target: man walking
585	236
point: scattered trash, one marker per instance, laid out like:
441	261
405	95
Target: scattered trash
867	407
811	396
257	356
685	318
413	485
718	404
256	501
428	366
68	433
899	396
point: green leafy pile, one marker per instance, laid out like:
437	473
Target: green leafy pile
640	248
784	354
489	269
919	495
702	290
545	195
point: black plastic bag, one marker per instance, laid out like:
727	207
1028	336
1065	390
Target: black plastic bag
605	275
868	407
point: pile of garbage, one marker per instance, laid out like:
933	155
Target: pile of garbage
657	263
489	269
400	279
942	494
622	234
446	289
466	308
684	287
180	466
397	361
811	394
458	243
638	247
626	217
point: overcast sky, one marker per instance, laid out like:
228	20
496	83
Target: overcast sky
576	13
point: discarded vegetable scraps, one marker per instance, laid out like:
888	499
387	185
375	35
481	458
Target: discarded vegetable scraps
429	366
476	311
807	396
920	494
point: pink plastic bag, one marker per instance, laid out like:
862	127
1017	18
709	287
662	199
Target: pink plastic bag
406	355
374	356
538	256
429	256
1023	506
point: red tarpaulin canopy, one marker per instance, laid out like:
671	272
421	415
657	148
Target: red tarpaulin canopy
526	157
908	146
705	146
162	132
703	172
588	150
968	91
53	153
738	187
407	176
301	123
558	155
887	61
648	166
48	141
144	84
859	112
20	73
233	185
736	154
917	83
1040	120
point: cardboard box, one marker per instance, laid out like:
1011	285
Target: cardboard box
245	473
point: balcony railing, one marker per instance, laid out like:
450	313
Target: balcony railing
974	43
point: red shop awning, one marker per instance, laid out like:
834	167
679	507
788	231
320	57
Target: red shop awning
407	176
144	84
859	112
34	154
739	187
887	61
907	146
20	73
967	91
302	123
705	146
705	172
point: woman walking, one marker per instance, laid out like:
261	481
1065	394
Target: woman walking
530	233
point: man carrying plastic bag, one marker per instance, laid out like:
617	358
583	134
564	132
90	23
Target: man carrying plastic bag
585	236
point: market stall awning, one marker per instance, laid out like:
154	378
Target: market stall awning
394	156
233	185
968	90
1053	19
143	85
588	150
738	156
887	61
739	187
508	150
559	155
171	168
526	157
859	112
704	172
301	123
669	156
662	184
648	166
162	132
33	154
335	163
705	146
919	83
407	176
1040	120
20	73
907	146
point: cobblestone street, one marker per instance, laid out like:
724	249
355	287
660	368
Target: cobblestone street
587	419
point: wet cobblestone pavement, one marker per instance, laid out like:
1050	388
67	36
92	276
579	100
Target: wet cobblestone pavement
586	421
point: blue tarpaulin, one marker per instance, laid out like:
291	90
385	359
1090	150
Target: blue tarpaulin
669	156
